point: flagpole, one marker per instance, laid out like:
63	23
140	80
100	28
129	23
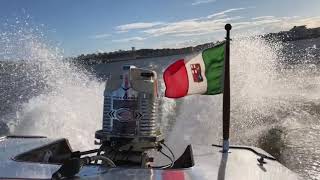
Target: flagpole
226	93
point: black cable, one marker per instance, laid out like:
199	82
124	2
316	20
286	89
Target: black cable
172	162
173	157
164	166
249	149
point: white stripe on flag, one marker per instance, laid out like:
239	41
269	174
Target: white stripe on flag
196	87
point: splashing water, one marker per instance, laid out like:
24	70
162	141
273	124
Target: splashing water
252	73
69	101
273	107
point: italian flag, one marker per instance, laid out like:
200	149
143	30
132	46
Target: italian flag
202	74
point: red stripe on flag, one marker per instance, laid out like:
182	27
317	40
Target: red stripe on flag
176	80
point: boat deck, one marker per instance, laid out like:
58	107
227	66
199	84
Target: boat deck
210	164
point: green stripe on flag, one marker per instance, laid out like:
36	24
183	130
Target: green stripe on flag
214	62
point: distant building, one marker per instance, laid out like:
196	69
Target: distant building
299	28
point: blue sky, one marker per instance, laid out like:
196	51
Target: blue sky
80	26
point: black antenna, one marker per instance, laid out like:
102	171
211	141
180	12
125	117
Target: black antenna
226	92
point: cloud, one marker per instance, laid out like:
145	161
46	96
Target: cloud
247	27
241	27
135	26
263	17
195	33
190	27
201	26
129	39
223	13
275	24
197	2
196	26
100	36
204	29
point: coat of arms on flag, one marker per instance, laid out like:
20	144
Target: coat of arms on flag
199	74
196	72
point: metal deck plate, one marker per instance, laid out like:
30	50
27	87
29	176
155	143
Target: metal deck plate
210	164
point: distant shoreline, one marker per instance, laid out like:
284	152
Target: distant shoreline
98	58
294	34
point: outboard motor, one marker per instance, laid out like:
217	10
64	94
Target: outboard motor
130	128
130	117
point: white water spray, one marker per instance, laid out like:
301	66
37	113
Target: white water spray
70	102
252	72
264	96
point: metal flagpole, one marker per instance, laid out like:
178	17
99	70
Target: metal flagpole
226	92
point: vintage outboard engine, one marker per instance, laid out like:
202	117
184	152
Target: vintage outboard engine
130	117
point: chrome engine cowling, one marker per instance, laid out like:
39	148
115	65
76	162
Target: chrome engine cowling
130	113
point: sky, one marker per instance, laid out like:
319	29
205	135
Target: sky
91	26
